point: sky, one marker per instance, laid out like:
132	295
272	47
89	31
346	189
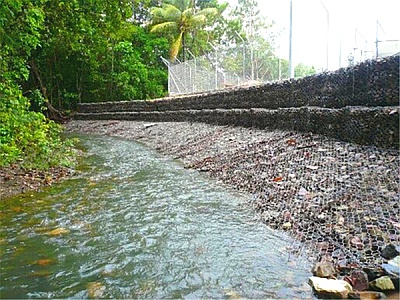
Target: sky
352	29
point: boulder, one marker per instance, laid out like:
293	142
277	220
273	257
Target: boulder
389	252
330	288
358	280
286	226
367	295
382	284
374	272
324	269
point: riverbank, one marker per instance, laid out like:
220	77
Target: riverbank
15	180
337	199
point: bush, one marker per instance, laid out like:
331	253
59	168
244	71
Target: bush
27	137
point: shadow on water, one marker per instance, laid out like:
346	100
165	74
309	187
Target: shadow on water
134	224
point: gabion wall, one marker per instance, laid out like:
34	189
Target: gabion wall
358	104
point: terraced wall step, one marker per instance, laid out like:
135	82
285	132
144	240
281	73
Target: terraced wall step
357	104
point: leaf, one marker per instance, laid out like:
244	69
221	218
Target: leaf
163	27
41	274
17	209
277	179
176	45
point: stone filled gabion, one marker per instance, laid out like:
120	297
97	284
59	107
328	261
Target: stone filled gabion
370	83
359	104
339	199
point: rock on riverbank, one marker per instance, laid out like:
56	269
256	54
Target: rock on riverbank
337	199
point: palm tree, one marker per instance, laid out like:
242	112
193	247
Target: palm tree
179	17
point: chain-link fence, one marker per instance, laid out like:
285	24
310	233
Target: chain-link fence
224	68
378	49
244	66
200	74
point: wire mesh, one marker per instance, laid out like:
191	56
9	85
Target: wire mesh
199	75
337	199
215	71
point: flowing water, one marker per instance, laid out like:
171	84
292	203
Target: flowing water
134	224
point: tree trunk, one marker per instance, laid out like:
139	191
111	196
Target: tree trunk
51	112
183	46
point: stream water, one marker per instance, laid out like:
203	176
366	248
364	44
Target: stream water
135	224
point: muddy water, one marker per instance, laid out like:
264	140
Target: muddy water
134	224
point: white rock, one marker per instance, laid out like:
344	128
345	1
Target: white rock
393	266
330	288
324	269
395	262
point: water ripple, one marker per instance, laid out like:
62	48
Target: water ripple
137	225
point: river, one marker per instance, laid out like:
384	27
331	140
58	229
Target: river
135	224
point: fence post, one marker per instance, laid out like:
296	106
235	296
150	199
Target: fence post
167	63
291	69
194	89
216	65
244	55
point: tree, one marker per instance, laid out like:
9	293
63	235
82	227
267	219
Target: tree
141	12
26	137
247	29
177	19
96	51
302	70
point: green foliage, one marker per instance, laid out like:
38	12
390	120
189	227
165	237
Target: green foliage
179	20
302	70
130	73
60	53
26	137
141	12
82	58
